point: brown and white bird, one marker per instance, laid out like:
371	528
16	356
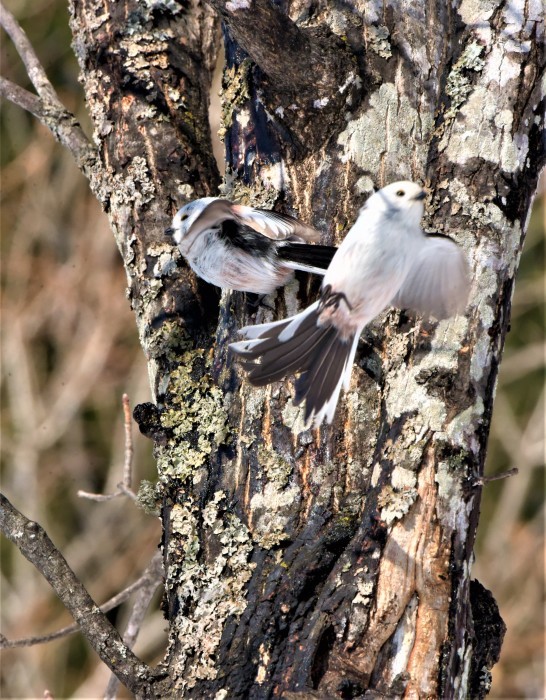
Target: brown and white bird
385	260
250	250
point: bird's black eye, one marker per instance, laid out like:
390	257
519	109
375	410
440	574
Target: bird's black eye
400	193
183	217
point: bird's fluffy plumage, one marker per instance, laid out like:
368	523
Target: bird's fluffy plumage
385	259
250	250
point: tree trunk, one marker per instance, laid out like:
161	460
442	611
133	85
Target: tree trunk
335	562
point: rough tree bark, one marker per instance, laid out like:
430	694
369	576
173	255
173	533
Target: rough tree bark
337	562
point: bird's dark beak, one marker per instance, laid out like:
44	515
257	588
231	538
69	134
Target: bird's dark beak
169	231
422	194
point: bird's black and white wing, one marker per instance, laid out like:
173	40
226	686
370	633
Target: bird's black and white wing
271	224
274	225
438	282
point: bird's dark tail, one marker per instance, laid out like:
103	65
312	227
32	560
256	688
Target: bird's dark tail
309	258
299	345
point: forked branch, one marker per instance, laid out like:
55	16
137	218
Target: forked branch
32	541
47	107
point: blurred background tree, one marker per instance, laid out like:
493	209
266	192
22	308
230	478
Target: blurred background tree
69	351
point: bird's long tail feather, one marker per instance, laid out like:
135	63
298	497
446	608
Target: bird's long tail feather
300	345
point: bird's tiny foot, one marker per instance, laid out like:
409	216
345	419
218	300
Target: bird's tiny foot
256	301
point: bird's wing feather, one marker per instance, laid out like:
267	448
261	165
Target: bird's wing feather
214	213
437	283
273	225
309	258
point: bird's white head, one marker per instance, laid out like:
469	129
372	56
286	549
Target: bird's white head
185	217
404	199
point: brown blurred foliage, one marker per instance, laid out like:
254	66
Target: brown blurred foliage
69	351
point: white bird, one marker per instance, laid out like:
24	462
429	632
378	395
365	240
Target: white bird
385	260
247	249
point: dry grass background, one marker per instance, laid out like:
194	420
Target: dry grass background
69	351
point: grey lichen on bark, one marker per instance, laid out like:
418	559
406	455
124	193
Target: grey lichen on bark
364	573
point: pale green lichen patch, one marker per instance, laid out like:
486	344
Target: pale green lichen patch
364	185
168	341
390	118
360	605
485	132
459	84
274	465
395	503
194	415
447	340
293	418
452	509
212	589
364	591
499	250
261	195
149	497
403	478
461	431
272	510
102	126
377	39
166	263
406	395
235	94
360	405
135	186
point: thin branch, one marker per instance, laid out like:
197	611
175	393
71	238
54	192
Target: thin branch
22	98
124	487
151	577
497	477
48	108
62	124
129	449
144	598
35	70
99	497
35	545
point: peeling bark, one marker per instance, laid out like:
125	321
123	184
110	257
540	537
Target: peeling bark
337	562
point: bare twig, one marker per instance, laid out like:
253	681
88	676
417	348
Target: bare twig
62	124
35	545
144	598
480	480
48	108
124	487
99	497
35	70
150	578
129	450
22	98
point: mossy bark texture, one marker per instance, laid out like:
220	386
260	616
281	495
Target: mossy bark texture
337	562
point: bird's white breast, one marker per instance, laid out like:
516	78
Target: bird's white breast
228	267
371	264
